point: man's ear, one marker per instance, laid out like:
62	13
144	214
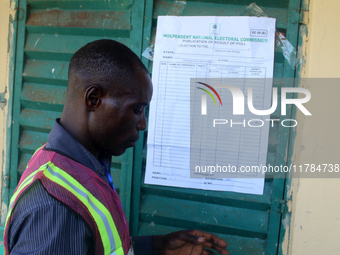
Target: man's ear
93	97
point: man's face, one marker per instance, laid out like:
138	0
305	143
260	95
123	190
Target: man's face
116	124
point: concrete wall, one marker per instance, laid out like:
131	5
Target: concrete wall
315	225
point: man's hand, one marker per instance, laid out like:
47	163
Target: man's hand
188	242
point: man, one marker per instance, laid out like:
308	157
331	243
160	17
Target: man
65	202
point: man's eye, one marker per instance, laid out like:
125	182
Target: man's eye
137	111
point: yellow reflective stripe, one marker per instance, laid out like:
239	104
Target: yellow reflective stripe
36	152
119	251
23	185
107	229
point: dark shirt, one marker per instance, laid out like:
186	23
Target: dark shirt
43	225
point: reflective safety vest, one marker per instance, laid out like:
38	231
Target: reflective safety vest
84	192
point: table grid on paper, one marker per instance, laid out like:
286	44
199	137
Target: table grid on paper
172	142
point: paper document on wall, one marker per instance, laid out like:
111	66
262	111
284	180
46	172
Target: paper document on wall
193	49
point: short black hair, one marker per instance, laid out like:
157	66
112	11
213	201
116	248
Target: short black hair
103	61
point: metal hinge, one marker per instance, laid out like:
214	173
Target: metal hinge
304	17
17	15
280	206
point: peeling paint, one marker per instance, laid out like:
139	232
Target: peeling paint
302	50
9	121
35	45
4	210
215	220
286	217
10	34
286	226
3	100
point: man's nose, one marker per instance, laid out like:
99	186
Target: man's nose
142	122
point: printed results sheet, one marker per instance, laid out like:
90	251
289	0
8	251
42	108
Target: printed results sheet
204	47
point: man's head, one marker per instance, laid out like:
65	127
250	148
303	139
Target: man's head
108	90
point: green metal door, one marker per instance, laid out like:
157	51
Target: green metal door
249	223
